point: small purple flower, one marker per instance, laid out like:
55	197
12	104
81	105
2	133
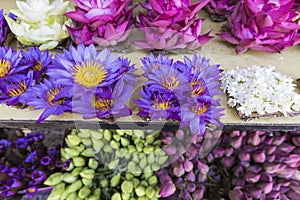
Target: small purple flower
67	163
31	158
37	61
45	160
31	191
36	137
53	98
8	192
38	176
4	28
3	168
4	144
14	172
13	183
21	143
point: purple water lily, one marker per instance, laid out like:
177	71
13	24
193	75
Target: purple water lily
4	28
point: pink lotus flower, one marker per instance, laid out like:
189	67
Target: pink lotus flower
263	26
171	25
101	22
219	10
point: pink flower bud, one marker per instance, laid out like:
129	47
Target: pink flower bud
296	141
188	165
244	156
178	170
279	140
170	149
270	149
229	151
236	142
254	138
252	177
191	187
190	176
167	190
228	162
198	194
180	135
259	157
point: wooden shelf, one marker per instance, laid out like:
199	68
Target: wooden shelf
217	50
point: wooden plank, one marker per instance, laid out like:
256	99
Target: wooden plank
217	50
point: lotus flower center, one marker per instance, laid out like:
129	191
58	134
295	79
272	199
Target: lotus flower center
89	74
51	95
17	89
170	82
5	67
199	109
161	104
198	87
38	66
101	105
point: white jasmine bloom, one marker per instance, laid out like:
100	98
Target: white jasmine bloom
261	90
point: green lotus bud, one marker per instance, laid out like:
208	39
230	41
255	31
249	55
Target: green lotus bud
97	145
127	187
93	197
140	191
136	182
144	183
107	135
125	196
97	192
124	142
139	147
143	198
104	183
86	142
121	153
116	137
78	161
139	133
148	171
129	176
87	173
150	192
113	164
152	180
151	158
71	196
108	149
114	144
136	171
120	132
162	160
143	163
131	149
115	180
93	163
159	152
150	139
57	191
89	152
75	186
70	167
87	182
74	132
71	152
68	178
85	133
137	140
64	155
155	166
116	196
142	155
135	158
129	132
132	198
53	179
76	171
73	140
84	192
98	135
157	143
148	149
65	193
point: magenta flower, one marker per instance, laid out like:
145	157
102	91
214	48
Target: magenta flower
103	23
171	25
261	26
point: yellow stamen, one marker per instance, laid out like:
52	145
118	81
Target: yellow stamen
198	87
199	110
89	74
31	190
38	66
163	105
101	105
5	67
170	82
51	95
17	89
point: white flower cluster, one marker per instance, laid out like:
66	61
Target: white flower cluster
260	90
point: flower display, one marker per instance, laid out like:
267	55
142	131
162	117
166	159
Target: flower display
4	28
40	23
103	23
171	25
21	172
256	25
220	9
260	90
181	91
98	81
109	165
